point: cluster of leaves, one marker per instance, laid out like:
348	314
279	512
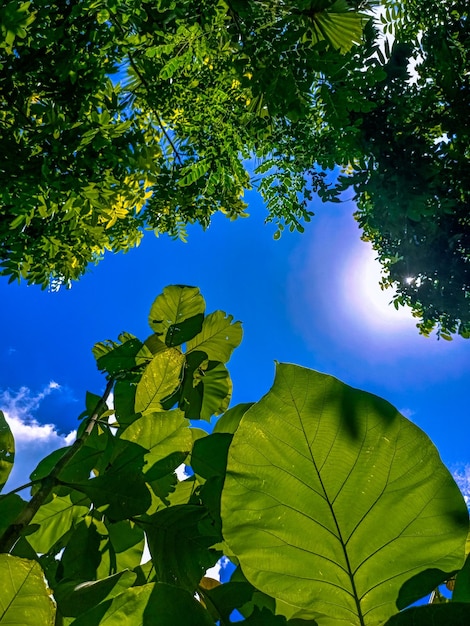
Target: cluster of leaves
414	196
331	506
122	116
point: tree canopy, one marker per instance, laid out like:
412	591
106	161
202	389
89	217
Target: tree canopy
120	117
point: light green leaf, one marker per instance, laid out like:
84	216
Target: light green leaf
332	486
218	338
24	597
7	450
192	173
162	434
153	603
177	314
55	518
339	26
160	378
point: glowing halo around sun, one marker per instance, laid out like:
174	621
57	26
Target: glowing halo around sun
363	300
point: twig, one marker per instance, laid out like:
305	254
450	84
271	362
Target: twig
144	82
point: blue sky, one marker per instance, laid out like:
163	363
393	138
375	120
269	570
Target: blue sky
311	299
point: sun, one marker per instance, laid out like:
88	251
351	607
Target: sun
363	299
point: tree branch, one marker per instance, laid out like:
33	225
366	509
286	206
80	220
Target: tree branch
13	532
144	82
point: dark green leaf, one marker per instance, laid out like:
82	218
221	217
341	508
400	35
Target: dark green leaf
453	614
75	599
179	543
209	455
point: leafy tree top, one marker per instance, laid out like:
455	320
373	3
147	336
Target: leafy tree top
120	117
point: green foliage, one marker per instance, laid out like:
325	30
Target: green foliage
333	506
122	117
127	116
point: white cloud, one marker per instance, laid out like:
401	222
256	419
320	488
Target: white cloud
33	441
461	474
216	571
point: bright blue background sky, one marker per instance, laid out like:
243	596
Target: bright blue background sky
310	299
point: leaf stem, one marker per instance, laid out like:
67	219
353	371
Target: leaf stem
144	82
13	532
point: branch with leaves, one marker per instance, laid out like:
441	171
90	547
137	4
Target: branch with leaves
328	504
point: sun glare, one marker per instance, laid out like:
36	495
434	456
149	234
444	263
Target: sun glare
364	300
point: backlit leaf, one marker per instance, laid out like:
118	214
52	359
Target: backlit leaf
160	378
332	486
153	603
161	434
24	597
177	314
218	338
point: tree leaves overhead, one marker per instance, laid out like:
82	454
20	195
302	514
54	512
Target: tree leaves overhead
25	598
115	119
314	469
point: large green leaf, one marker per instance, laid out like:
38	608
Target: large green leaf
55	518
206	388
218	338
24	597
159	380
177	314
7	450
161	434
153	603
331	486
